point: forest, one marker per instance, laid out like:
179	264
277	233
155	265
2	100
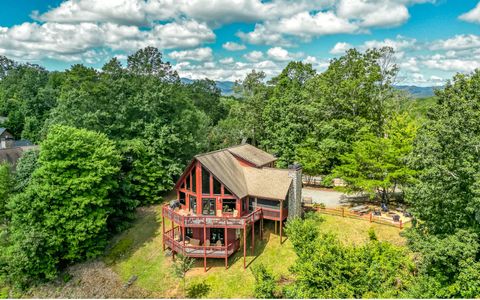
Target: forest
114	139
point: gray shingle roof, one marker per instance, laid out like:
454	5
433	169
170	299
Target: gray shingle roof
242	180
252	154
2	130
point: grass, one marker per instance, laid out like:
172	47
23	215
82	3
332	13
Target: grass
143	256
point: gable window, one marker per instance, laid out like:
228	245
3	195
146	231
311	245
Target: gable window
226	191
229	205
216	186
205	181
194	180
193	204
208	206
188	182
181	198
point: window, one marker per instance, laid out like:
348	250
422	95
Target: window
229	205
216	234
244	205
181	197
193	204
194	180
216	186
205	181
226	191
275	204
189	232
208	206
250	204
188	182
285	203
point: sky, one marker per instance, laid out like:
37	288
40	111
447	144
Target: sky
225	39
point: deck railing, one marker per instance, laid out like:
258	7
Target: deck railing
274	214
201	250
211	221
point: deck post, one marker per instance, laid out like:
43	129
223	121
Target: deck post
204	246
173	240
261	228
253	236
226	246
281	221
244	246
163	228
183	234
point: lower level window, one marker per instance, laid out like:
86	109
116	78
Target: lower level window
216	234
208	206
193	204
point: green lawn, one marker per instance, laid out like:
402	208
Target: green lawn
138	251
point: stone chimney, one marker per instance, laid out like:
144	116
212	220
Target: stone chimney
295	193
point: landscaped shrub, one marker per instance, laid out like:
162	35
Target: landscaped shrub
264	282
198	290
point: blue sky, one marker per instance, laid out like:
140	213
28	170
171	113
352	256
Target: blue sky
225	39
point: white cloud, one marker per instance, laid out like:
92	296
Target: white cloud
458	42
374	13
472	16
232	46
279	54
263	36
254	56
199	54
398	44
340	48
227	60
440	62
67	41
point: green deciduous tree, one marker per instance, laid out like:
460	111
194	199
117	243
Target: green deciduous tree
6	188
446	196
64	213
378	164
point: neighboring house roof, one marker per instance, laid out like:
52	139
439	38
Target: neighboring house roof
2	130
252	154
22	143
242	180
12	155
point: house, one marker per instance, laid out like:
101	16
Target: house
6	139
225	193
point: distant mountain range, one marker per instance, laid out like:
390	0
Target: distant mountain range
225	86
419	91
416	91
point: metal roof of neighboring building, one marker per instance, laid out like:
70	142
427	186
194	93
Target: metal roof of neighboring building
252	154
242	180
2	130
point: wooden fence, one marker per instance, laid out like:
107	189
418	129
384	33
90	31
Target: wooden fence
342	212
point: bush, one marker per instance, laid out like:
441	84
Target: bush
264	282
198	290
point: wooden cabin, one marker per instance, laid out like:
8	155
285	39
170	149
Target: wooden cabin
224	193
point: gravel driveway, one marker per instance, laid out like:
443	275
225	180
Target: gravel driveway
329	197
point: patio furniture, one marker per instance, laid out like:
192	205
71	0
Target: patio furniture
235	213
377	212
396	218
194	242
384	207
219	243
207	243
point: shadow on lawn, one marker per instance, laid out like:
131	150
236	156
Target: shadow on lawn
144	229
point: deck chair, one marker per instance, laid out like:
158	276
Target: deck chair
207	243
219	243
235	213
